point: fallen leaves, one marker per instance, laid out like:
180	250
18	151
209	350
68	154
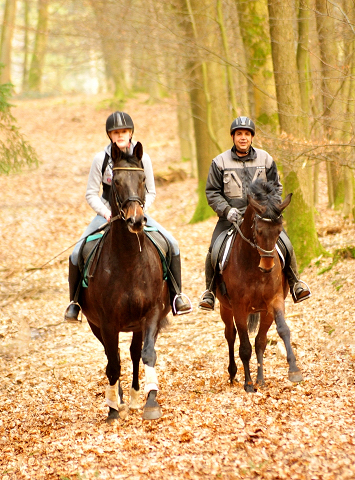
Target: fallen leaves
52	423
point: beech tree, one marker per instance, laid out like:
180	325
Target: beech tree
7	32
39	51
297	175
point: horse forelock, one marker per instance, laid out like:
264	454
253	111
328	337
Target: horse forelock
131	159
267	194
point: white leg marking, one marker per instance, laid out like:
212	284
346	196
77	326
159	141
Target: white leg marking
112	397
134	403
151	379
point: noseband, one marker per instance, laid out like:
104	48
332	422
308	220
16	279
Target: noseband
264	253
133	198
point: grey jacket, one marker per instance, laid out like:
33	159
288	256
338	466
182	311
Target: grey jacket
229	178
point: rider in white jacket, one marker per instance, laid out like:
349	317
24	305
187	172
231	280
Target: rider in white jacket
120	128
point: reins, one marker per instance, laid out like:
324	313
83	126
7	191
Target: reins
120	205
72	245
268	253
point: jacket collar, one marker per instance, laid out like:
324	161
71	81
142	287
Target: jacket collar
251	155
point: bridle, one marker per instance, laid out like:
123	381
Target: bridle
264	253
132	198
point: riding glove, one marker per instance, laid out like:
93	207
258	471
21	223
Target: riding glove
233	215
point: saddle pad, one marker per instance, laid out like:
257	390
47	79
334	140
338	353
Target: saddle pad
163	247
87	252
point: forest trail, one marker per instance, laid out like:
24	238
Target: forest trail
52	423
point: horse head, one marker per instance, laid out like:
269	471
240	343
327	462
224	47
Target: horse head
128	187
267	222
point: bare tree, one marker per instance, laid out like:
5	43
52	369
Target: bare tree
7	32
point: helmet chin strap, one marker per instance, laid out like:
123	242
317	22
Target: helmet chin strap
241	151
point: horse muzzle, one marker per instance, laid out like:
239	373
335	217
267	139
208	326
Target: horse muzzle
135	218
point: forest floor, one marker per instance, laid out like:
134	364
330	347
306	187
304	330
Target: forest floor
52	422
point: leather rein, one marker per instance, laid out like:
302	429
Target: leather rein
265	253
132	198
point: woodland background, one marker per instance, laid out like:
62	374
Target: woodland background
183	70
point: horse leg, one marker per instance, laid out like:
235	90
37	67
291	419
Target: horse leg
135	351
245	351
260	345
294	373
230	334
151	409
114	394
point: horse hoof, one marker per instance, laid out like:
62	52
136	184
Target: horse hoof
295	377
249	388
151	413
112	416
123	411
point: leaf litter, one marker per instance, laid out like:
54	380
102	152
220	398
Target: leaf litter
53	411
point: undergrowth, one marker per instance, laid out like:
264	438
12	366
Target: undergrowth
339	254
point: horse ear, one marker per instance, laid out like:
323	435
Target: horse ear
286	202
115	152
260	209
138	151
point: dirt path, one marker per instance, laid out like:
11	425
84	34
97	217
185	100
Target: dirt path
52	391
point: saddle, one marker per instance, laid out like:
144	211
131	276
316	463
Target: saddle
222	248
90	250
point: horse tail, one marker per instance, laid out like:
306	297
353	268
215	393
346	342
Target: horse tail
253	322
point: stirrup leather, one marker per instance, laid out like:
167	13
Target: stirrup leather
183	296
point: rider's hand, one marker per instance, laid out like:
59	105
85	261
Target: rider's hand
108	216
233	215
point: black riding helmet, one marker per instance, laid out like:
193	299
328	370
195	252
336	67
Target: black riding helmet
119	121
243	122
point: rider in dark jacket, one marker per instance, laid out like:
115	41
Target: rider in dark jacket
229	178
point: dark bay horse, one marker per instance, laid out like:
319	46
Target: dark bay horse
127	292
255	283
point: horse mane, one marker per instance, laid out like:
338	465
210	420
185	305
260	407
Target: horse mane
268	195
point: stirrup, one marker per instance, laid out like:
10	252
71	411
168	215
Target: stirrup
182	296
201	307
73	319
293	293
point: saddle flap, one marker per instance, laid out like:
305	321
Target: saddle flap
219	246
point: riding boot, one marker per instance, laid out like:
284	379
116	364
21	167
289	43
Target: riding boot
178	305
73	309
208	297
299	290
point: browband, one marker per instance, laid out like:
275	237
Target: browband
128	168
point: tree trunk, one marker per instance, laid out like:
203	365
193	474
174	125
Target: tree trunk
297	178
25	46
6	40
331	88
208	96
39	52
303	60
185	127
113	39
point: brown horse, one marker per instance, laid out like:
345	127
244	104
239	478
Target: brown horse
127	292
254	283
